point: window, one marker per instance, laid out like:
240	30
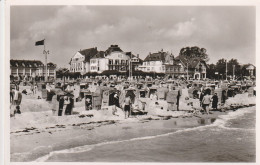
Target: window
122	61
116	62
111	62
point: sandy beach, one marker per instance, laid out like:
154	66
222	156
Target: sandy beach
50	135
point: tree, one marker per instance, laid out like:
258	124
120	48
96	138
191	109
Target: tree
211	72
61	72
233	63
194	52
221	67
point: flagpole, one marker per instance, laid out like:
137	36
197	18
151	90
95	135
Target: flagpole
46	76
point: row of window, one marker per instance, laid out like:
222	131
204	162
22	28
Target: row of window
77	66
117	62
94	68
119	68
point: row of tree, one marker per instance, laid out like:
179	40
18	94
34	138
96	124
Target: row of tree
218	70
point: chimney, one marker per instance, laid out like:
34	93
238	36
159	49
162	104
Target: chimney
137	55
162	50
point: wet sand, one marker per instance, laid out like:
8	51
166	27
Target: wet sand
64	137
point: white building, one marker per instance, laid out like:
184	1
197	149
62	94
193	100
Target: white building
98	63
91	60
31	68
154	62
80	62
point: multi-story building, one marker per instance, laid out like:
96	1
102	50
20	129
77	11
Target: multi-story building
197	68
80	62
98	63
163	62
31	68
156	62
135	61
111	59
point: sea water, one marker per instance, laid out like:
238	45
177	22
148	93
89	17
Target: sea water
231	138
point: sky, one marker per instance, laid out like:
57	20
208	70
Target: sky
225	31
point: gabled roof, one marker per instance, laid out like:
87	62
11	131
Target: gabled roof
248	65
113	48
160	56
88	53
100	54
133	56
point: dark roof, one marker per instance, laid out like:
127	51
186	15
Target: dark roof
50	64
25	63
113	48
100	54
160	56
132	55
247	65
88	53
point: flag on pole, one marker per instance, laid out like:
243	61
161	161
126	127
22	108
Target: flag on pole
37	43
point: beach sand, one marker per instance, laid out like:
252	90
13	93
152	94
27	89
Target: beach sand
36	134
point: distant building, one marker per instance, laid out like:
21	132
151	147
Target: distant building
161	62
197	68
248	70
80	62
92	60
98	63
31	68
135	60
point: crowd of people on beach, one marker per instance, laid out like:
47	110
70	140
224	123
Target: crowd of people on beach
61	96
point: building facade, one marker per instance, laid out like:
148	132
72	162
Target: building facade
31	68
154	62
80	62
92	60
195	68
98	63
164	62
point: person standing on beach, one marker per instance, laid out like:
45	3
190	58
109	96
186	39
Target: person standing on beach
127	107
35	88
61	105
206	102
201	98
215	101
178	99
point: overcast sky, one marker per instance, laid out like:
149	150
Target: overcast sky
226	32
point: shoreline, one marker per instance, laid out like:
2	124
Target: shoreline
62	137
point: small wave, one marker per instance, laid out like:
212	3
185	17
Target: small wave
219	123
223	119
87	148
